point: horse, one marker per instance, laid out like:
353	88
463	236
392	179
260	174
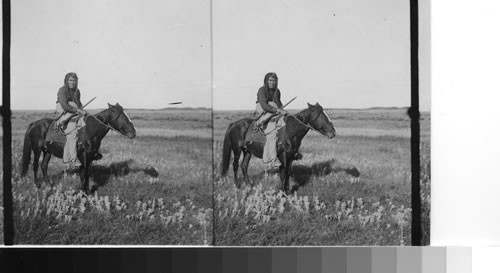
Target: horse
289	139
88	143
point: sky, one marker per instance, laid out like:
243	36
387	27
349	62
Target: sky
340	53
140	54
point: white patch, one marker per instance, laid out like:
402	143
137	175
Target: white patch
329	119
126	115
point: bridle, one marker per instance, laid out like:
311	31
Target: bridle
306	124
107	126
121	113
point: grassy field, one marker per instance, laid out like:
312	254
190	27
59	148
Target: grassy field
133	204
355	189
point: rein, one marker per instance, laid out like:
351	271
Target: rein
104	124
307	125
107	126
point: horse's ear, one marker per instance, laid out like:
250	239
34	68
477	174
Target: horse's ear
109	105
309	105
317	104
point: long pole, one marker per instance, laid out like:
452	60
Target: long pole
89	102
286	104
290	101
64	112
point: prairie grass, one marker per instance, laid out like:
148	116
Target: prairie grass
154	189
354	190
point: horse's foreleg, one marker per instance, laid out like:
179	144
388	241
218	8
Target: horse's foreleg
287	179
244	167
85	173
45	164
87	178
282	178
294	185
285	176
236	160
36	158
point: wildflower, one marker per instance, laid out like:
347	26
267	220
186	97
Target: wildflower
107	203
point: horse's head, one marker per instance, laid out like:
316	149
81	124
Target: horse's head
320	121
120	121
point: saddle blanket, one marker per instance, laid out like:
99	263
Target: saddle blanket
59	136
254	135
55	136
259	136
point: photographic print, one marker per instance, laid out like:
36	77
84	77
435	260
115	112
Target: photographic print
311	125
111	122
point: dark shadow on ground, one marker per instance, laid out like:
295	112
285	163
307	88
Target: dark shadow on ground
303	174
101	174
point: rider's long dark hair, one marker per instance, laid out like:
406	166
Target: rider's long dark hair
66	79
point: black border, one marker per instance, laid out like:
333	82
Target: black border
8	229
416	202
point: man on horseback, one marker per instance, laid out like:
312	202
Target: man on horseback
268	107
71	113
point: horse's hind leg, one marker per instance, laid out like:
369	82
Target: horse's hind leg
244	167
45	164
236	160
36	158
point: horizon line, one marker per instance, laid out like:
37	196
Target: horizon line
247	109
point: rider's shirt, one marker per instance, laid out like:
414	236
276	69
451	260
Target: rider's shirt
66	95
266	95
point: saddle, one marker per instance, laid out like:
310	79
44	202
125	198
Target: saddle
256	134
55	134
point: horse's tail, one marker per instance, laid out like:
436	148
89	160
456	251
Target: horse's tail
226	151
26	152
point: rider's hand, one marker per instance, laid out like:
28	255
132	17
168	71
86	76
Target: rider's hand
281	111
81	112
